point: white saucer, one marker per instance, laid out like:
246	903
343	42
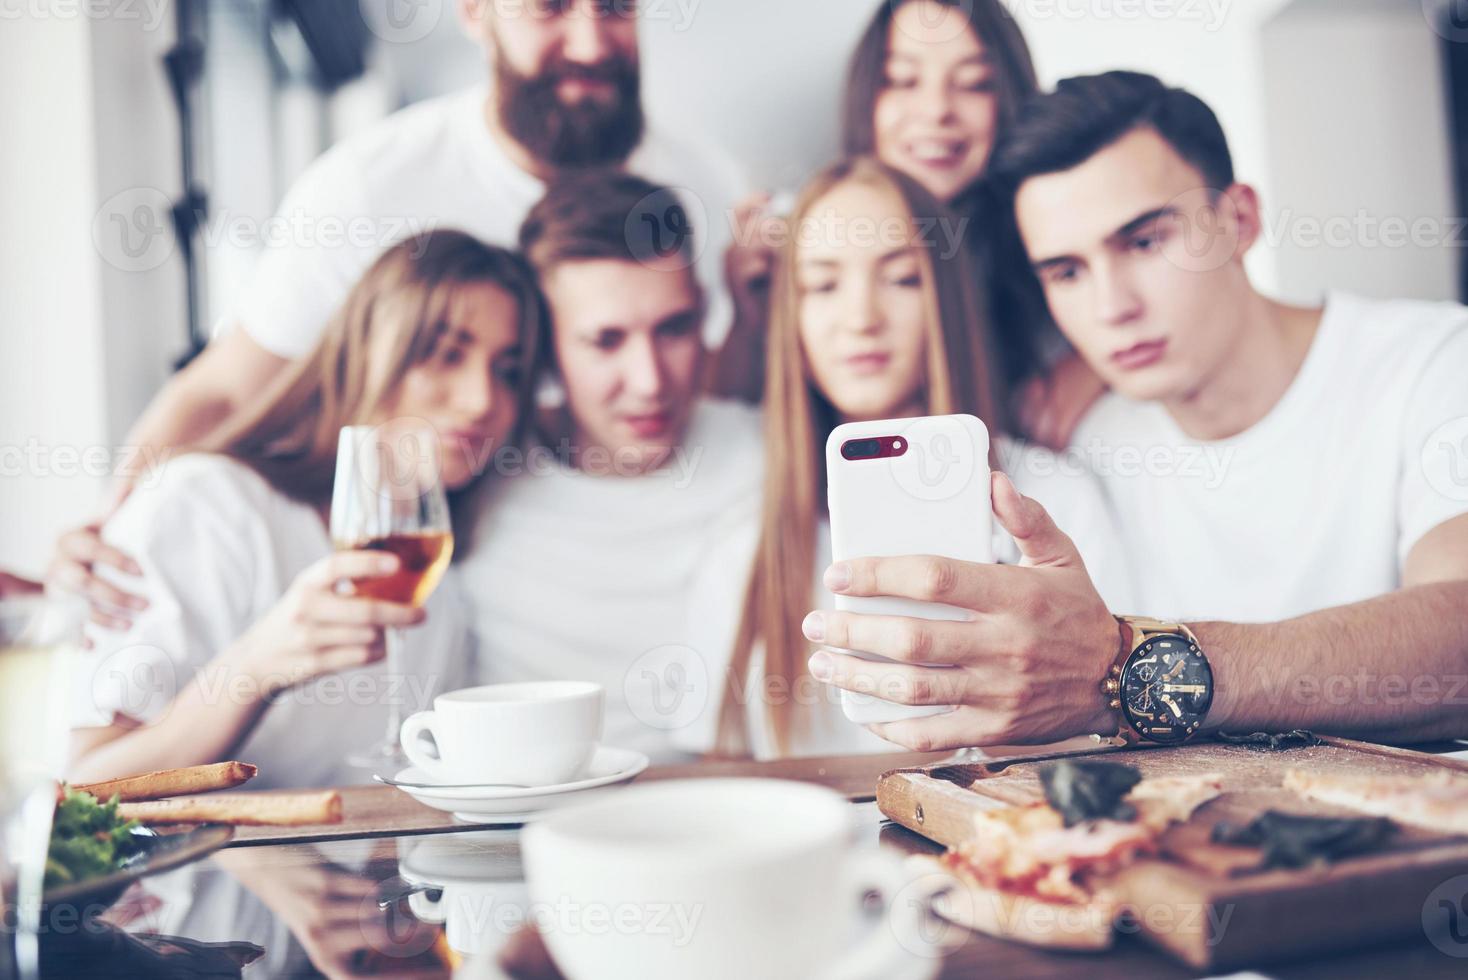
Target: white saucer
515	805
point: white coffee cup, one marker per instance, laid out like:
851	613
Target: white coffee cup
711	878
534	734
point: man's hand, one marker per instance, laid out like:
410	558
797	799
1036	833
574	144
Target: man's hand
1025	668
79	554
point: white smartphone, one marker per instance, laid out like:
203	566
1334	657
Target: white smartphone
915	486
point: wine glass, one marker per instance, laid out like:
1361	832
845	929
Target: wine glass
389	496
40	639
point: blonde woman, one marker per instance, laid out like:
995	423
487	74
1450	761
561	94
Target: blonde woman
247	648
875	314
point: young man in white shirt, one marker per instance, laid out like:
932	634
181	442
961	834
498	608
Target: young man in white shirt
565	97
1316	576
584	560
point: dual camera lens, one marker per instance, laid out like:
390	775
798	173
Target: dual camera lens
880	448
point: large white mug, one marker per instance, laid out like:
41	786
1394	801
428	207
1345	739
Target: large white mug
712	878
534	734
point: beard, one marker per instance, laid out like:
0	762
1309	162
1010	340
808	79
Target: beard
588	133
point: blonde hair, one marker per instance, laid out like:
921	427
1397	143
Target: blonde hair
392	319
798	418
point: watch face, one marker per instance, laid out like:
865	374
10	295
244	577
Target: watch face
1166	689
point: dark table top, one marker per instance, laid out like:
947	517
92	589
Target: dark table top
376	907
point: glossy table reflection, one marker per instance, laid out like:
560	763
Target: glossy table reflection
436	905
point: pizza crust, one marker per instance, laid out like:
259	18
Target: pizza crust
1437	801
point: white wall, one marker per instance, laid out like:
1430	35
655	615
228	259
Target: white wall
90	285
1362	175
136	166
52	395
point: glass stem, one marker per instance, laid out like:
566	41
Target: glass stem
394	642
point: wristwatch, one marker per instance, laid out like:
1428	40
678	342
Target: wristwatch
1160	683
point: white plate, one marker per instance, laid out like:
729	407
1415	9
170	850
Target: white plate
514	805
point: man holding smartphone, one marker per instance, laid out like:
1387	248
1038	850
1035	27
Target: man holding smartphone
1316	577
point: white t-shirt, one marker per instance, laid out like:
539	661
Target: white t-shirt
435	165
576	576
1070	494
218	547
1319	503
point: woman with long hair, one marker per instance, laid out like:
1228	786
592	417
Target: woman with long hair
932	87
873	316
248	645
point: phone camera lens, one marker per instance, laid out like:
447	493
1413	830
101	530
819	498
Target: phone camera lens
861	448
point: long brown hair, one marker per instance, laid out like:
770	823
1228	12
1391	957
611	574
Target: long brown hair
798	418
1016	306
392	319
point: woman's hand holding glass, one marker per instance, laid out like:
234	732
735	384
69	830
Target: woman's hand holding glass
317	629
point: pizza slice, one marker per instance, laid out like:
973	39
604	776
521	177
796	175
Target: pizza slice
1036	873
1437	801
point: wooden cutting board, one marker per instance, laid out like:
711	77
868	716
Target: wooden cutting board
1201	901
